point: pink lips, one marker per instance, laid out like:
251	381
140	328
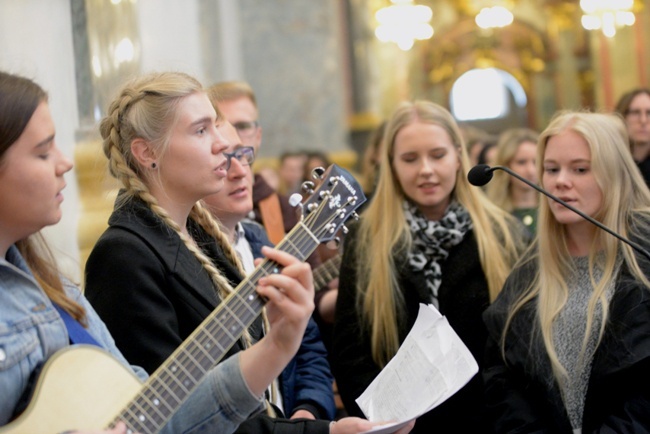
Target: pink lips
221	168
59	194
239	192
427	187
221	171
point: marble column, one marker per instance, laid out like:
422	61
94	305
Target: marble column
106	46
292	56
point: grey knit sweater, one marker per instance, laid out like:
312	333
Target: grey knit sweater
569	331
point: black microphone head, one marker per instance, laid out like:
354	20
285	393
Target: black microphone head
480	175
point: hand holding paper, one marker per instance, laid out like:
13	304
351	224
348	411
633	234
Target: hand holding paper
430	366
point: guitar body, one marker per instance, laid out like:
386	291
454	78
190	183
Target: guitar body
81	386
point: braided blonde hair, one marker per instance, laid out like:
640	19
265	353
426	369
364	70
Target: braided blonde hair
146	108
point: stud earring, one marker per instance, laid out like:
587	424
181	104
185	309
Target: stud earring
154	165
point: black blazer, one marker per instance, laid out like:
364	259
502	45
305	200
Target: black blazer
152	293
149	288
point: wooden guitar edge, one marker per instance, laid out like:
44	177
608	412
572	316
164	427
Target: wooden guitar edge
80	387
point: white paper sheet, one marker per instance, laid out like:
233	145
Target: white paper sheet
430	366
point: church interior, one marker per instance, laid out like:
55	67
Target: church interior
326	73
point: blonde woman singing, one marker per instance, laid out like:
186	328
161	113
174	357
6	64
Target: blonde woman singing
569	336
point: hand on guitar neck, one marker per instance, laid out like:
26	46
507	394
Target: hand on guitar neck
290	303
281	280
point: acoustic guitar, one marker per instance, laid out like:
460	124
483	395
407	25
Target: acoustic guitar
85	387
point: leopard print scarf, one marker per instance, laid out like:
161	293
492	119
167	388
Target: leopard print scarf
432	241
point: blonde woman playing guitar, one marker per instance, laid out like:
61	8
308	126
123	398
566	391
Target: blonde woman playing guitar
32	330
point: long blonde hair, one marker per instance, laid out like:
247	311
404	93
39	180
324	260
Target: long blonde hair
384	232
626	210
499	189
147	108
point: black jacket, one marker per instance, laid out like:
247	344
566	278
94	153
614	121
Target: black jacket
521	394
463	296
152	292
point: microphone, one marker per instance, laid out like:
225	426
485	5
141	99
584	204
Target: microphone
481	174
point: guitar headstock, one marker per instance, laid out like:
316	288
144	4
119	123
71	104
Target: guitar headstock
333	201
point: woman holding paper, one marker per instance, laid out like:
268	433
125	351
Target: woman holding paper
427	237
569	336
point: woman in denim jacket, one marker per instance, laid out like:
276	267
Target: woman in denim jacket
34	298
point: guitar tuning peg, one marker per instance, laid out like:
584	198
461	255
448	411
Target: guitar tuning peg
345	229
308	187
333	244
317	173
295	199
354	215
311	207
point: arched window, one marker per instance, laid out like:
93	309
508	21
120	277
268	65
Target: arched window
484	94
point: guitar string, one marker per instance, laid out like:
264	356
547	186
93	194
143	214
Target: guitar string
138	420
234	316
327	272
197	353
233	324
252	286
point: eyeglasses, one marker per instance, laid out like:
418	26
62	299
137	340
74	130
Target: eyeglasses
246	129
637	113
245	155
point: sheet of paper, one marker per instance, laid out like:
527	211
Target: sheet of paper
388	428
430	366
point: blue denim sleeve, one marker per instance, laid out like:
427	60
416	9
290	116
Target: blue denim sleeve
219	404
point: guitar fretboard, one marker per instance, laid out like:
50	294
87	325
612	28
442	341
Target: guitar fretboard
167	388
175	379
327	272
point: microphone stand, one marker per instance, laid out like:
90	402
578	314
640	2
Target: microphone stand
636	246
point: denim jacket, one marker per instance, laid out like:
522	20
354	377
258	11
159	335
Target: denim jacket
31	331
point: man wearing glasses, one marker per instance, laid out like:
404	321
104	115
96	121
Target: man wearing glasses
237	103
304	389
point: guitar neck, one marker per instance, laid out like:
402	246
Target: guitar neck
327	272
176	378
